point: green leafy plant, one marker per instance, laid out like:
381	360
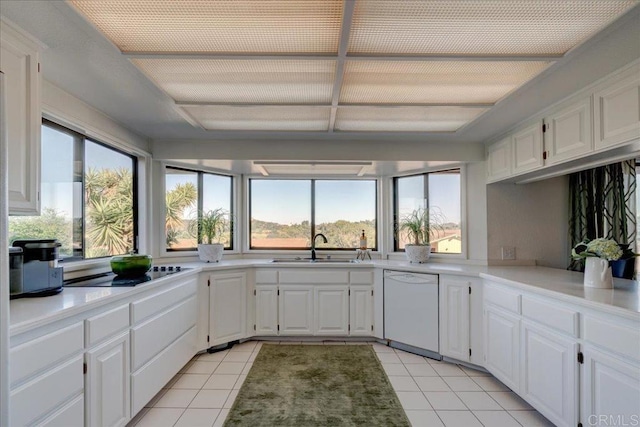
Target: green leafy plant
607	249
210	225
421	225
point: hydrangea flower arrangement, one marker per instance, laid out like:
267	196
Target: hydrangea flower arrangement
607	249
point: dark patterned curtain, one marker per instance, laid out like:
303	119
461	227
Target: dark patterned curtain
602	203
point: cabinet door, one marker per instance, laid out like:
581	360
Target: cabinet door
610	388
549	374
454	318
568	134
228	302
295	312
502	346
527	149
617	112
19	63
361	310
107	383
266	310
331	310
499	160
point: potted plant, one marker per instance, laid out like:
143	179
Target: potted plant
597	255
418	227
209	227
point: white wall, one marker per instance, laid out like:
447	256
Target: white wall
476	204
533	218
69	111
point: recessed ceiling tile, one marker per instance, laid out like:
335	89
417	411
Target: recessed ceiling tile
407	82
249	26
405	119
256	118
478	27
242	81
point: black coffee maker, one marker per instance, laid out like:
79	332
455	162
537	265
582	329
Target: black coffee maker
41	275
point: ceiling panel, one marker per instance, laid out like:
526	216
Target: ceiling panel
242	81
405	119
285	26
478	27
407	82
268	118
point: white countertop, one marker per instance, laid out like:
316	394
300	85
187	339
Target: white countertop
563	285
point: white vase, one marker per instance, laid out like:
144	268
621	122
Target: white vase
210	253
418	253
597	273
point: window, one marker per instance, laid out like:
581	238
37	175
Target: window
287	213
88	197
190	194
439	192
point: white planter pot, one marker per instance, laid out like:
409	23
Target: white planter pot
210	253
418	253
597	273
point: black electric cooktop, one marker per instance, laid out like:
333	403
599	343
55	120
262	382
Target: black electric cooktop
110	279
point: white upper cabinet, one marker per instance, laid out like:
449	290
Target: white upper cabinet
19	61
568	132
578	131
499	160
527	149
617	110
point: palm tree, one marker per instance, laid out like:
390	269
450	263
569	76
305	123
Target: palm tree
183	196
108	211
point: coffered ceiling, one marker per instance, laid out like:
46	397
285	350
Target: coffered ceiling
340	66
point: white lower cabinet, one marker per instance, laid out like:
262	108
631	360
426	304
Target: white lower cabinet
227	307
360	310
610	389
295	310
549	374
502	346
107	383
266	310
454	317
331	309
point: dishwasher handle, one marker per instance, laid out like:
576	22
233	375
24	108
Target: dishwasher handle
417	279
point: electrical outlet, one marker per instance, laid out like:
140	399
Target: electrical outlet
508	253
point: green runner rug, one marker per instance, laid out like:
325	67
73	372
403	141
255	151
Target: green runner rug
316	385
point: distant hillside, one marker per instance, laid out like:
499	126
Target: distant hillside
340	234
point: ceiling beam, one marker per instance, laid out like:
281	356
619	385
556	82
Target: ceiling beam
333	56
325	105
345	30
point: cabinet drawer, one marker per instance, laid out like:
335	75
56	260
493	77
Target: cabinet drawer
46	393
314	277
152	377
554	316
507	299
106	324
35	356
361	277
150	338
267	276
618	337
149	306
70	415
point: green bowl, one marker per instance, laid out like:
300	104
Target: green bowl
130	265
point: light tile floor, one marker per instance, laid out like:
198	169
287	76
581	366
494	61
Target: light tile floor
432	393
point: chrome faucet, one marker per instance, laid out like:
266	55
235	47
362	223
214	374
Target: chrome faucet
313	245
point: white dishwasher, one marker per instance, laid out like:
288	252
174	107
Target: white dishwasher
411	312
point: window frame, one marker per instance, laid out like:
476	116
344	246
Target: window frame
199	203
312	180
393	240
79	152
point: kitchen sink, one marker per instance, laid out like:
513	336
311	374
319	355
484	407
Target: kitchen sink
317	260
